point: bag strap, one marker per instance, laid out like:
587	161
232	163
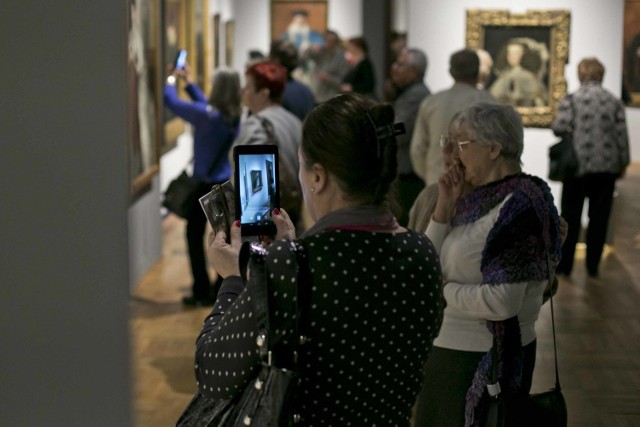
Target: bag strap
253	259
494	386
553	321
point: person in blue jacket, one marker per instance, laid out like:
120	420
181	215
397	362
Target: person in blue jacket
215	124
297	96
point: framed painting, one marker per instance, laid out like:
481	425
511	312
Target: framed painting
229	37
529	53
198	44
144	92
631	58
215	34
302	22
174	38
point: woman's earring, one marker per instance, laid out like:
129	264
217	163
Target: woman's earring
313	190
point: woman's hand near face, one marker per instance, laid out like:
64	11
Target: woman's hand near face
224	256
450	188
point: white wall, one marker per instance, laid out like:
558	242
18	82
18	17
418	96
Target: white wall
439	29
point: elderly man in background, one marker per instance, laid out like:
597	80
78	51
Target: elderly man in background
407	76
437	110
330	67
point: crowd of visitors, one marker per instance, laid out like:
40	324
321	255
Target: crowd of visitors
426	241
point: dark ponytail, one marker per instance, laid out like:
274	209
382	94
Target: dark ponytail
354	138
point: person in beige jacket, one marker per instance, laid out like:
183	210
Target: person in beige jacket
437	110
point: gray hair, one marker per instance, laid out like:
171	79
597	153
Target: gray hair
418	60
225	95
490	123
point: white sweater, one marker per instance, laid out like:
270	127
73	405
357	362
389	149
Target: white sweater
469	301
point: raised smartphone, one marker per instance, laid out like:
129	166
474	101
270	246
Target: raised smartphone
257	189
181	59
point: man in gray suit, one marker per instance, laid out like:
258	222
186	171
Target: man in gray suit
437	110
407	76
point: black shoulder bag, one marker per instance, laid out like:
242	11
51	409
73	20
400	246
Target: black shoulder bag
268	399
547	409
563	161
181	194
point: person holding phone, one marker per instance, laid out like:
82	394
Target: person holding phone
215	122
375	286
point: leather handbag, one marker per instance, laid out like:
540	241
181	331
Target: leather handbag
547	409
181	194
268	399
563	160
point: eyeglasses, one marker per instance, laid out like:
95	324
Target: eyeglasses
444	141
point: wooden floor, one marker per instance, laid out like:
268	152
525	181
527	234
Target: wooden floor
598	330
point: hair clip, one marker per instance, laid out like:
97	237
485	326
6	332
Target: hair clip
390	130
384	132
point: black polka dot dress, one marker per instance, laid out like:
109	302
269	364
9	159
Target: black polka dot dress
376	306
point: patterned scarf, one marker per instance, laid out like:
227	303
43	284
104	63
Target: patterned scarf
517	247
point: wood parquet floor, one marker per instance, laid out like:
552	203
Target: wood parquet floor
597	326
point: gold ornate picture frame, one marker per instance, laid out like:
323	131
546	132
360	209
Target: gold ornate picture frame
175	33
529	52
144	76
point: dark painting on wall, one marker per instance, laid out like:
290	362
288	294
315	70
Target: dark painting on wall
285	24
256	180
529	53
174	38
631	53
144	92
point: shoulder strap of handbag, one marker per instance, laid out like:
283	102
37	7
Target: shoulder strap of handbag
253	257
553	320
494	349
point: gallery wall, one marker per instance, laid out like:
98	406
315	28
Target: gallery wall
439	29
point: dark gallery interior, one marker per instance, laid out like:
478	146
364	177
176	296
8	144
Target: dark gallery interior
94	328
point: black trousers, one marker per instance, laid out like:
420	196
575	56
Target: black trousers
599	189
196	226
448	374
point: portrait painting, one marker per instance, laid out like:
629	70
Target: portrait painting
144	89
301	22
174	38
202	73
229	41
631	53
256	181
527	55
215	45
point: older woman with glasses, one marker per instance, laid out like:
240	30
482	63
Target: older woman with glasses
494	242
